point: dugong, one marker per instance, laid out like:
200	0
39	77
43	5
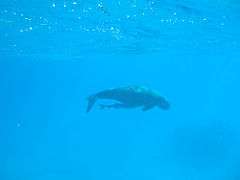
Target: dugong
129	97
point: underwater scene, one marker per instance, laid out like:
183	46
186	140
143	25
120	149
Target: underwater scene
119	90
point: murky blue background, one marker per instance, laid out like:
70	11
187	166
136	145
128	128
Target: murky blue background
53	54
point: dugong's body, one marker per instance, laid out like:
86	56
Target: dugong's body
129	97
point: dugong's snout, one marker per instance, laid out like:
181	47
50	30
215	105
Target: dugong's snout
164	104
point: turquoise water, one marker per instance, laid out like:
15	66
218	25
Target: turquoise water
54	54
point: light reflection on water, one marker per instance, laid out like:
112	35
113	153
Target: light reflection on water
99	25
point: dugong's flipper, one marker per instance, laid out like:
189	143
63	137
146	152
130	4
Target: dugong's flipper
91	101
147	107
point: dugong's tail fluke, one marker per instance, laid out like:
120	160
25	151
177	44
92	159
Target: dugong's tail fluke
91	101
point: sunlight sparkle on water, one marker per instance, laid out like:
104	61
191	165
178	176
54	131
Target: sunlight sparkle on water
18	124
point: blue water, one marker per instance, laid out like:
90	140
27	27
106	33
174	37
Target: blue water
54	54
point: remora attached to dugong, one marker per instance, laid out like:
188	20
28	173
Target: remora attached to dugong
129	97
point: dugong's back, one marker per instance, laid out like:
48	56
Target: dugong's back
127	93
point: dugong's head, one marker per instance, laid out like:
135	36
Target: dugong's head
163	103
